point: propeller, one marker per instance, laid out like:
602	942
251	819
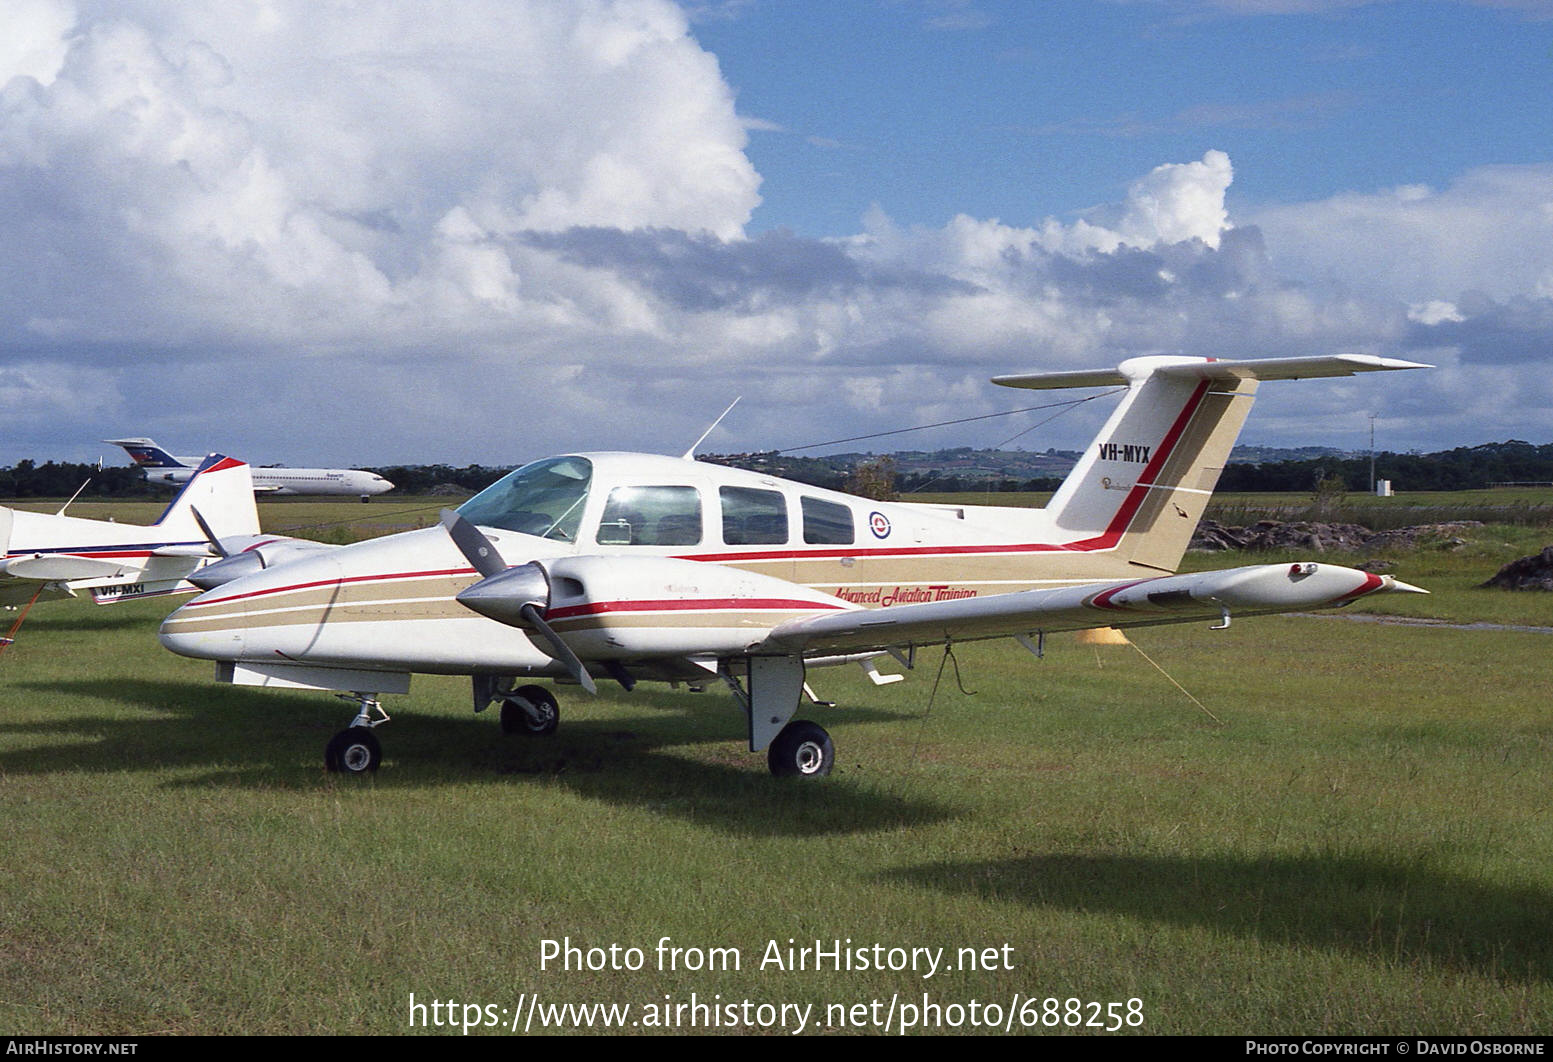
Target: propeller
514	596
228	565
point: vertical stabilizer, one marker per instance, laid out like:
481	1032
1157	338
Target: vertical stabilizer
222	491
1143	484
147	454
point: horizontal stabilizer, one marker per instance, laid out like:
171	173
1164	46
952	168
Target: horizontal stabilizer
1210	369
59	567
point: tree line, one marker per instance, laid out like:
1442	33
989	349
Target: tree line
1463	468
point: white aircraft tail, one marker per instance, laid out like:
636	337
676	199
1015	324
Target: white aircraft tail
222	491
1141	487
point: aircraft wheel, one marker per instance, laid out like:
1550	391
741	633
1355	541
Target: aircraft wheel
546	715
803	749
354	750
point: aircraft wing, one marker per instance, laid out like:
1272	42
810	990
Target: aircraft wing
1254	590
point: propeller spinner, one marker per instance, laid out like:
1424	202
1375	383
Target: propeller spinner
516	596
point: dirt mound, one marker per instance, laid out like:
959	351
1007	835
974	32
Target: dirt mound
1325	538
1528	573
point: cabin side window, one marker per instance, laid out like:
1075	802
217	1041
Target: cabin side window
827	523
753	517
651	516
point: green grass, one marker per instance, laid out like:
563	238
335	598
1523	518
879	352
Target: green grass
1363	843
323	520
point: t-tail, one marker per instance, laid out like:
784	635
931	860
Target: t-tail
147	454
1143	484
221	492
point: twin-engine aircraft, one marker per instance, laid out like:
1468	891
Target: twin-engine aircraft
632	568
163	468
52	556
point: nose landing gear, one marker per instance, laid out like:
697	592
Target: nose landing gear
355	750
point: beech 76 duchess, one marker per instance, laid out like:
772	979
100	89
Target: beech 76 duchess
634	567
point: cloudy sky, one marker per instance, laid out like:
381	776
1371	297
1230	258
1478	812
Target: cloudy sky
492	230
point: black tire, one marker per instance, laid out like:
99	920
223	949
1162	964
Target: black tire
514	720
354	750
802	750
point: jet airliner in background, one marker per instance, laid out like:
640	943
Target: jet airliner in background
162	467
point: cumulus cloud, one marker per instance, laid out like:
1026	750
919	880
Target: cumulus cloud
336	162
492	230
1490	230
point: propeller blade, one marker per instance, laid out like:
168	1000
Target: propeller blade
480	552
476	548
562	651
215	543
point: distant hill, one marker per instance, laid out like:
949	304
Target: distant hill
1245	454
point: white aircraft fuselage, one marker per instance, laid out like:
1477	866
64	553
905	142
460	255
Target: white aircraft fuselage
664	566
638	567
293	481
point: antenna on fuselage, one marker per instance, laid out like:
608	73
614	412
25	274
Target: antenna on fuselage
690	454
83	486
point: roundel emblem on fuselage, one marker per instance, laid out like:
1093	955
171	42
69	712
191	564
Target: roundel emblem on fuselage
879	524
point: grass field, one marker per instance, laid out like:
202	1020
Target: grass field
1362	841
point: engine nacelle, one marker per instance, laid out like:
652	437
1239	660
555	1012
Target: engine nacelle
620	608
266	551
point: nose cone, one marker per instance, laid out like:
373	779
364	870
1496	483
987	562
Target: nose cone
191	632
248	603
502	596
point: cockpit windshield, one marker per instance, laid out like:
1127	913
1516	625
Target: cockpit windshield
545	498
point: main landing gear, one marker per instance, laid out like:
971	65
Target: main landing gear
768	690
530	710
355	750
801	750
